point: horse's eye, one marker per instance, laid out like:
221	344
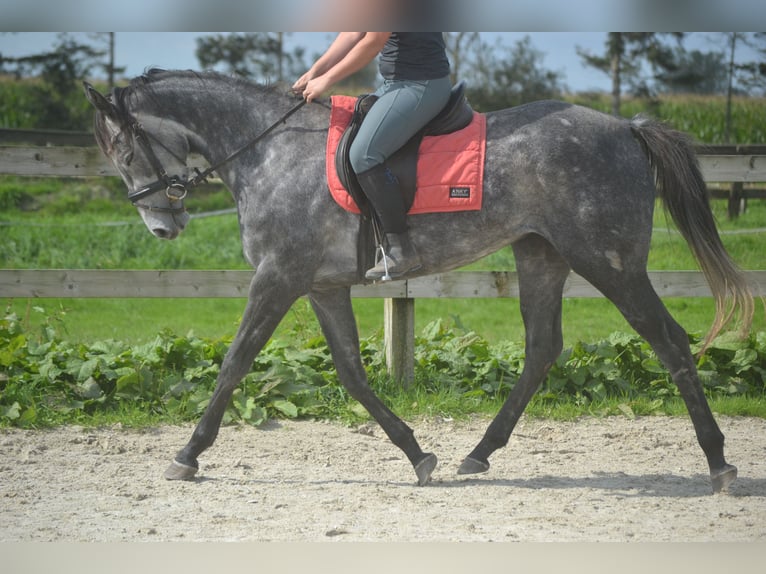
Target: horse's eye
122	146
117	140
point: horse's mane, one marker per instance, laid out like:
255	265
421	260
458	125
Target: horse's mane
153	76
147	87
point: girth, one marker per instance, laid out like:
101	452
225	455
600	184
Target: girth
455	115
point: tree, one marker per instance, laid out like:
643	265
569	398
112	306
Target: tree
500	76
752	74
695	72
459	46
625	54
56	101
108	66
720	72
258	55
523	75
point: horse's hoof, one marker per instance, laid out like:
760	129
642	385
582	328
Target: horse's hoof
723	478
425	467
178	471
473	466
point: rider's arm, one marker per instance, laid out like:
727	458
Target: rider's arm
360	54
340	47
349	53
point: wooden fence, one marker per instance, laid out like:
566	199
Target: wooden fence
59	154
399	296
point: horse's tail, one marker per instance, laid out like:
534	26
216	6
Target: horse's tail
684	194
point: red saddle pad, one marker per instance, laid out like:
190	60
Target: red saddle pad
450	172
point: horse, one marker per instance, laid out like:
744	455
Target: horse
567	187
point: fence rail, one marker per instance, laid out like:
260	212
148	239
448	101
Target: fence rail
128	284
80	161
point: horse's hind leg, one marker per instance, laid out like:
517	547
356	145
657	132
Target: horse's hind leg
542	274
636	298
336	317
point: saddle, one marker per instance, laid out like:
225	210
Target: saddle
455	115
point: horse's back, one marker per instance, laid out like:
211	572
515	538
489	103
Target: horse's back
561	153
552	124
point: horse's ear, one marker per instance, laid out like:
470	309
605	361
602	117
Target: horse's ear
99	101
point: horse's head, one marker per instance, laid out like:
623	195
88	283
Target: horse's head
149	152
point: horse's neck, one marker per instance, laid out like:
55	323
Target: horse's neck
237	121
227	121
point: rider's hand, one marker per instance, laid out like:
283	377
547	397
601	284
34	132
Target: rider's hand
315	88
300	85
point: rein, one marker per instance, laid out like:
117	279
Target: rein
175	187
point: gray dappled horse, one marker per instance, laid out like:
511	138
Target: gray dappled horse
568	187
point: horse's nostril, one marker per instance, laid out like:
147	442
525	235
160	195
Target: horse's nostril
160	232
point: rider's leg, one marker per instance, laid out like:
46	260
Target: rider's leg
402	109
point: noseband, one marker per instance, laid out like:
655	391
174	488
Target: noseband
176	188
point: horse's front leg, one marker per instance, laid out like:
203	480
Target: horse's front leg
268	302
336	317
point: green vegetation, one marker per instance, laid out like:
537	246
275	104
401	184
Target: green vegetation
46	380
704	117
23	105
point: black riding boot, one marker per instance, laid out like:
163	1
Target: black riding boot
381	187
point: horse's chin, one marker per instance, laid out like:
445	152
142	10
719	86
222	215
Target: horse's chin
164	233
167	227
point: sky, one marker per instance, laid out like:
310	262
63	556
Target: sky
138	51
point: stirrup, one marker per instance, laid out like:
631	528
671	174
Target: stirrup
386	275
391	269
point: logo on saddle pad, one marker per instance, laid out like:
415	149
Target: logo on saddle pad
450	168
460	192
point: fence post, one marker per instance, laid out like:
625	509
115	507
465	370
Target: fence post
399	335
736	200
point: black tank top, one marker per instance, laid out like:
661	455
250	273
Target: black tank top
414	56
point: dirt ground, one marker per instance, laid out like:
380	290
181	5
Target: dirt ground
611	479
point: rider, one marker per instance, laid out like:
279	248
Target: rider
416	87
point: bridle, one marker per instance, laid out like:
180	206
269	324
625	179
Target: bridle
176	188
